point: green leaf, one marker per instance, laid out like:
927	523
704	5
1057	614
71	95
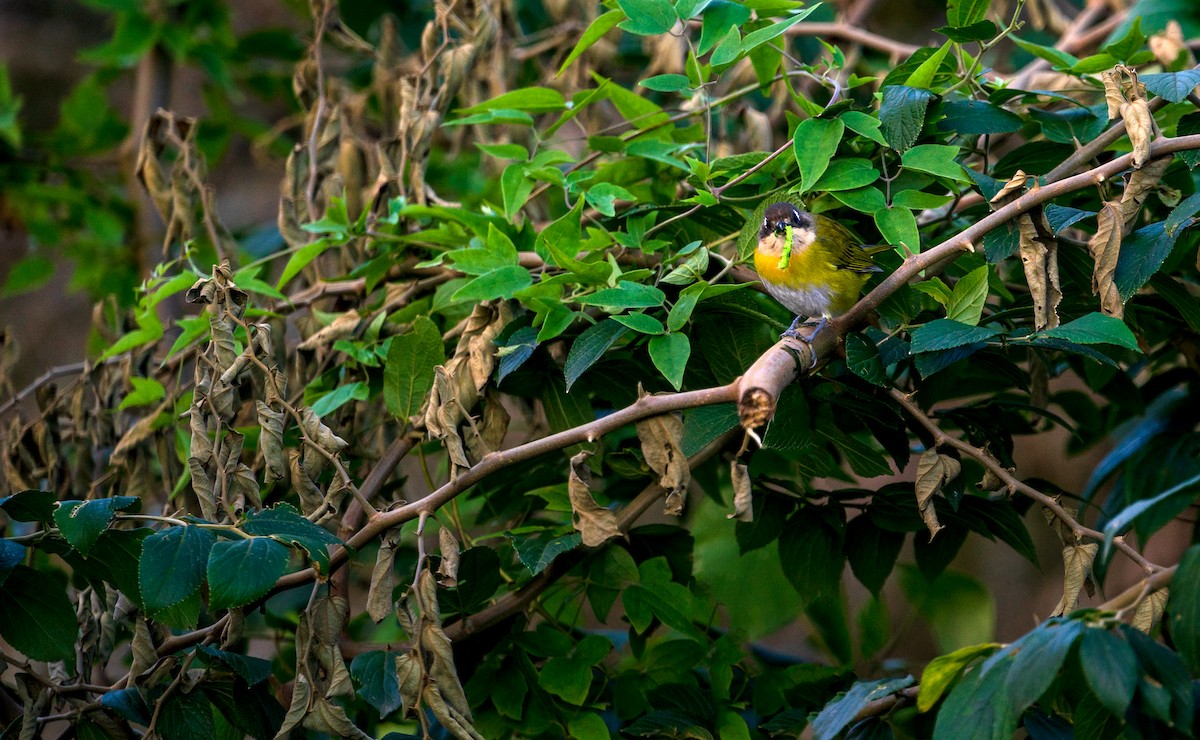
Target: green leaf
1062	217
1183	606
1059	59
1182	213
978	118
31	272
301	259
670	353
1110	668
647	17
944	670
505	151
815	143
240	571
872	551
589	347
935	159
567	678
145	391
408	374
30	506
284	523
186	717
37	620
340	396
536	553
499	115
82	522
604	23
970	292
1094	328
640	322
941	334
841	711
729	50
587	726
719	18
754	39
667	83
11	555
864	125
922	76
979	31
1040	655
902	114
528	99
603	197
374	673
811	552
962	13
1174	86
252	670
977	708
515	351
499	283
1142	254
846	174
898	226
682	310
627	294
862	357
172	565
515	189
1174	500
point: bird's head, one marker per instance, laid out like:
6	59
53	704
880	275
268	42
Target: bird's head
776	220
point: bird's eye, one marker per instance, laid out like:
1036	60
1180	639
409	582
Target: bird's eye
780	227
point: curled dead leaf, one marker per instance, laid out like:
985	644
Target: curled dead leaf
1077	569
448	569
1105	248
341	327
1013	186
595	523
1039	258
383	578
1139	125
270	442
1066	535
743	496
1141	183
1150	610
1168	46
934	470
661	438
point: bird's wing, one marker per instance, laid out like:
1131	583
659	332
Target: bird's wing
849	256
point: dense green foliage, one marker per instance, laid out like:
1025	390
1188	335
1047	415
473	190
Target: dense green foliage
506	310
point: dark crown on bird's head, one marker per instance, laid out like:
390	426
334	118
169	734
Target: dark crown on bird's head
779	216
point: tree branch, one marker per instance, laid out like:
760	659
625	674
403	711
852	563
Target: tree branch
1013	483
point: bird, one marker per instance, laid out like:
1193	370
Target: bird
811	264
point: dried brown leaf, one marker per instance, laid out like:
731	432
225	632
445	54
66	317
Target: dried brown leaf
298	709
270	442
450	718
934	470
1113	94
320	434
1150	610
448	570
661	441
380	603
1039	257
311	498
1139	125
1013	186
143	651
408	673
341	327
595	523
204	487
743	496
1105	248
1066	535
331	719
439	655
1141	183
1077	569
142	430
1168	45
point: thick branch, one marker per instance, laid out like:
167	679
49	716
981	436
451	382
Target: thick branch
966	240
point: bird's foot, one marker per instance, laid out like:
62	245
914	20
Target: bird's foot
794	333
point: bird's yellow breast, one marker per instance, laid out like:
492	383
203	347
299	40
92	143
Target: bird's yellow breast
810	285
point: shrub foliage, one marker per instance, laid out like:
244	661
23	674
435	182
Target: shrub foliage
382	470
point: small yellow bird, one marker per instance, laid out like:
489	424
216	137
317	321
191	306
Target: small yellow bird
811	264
